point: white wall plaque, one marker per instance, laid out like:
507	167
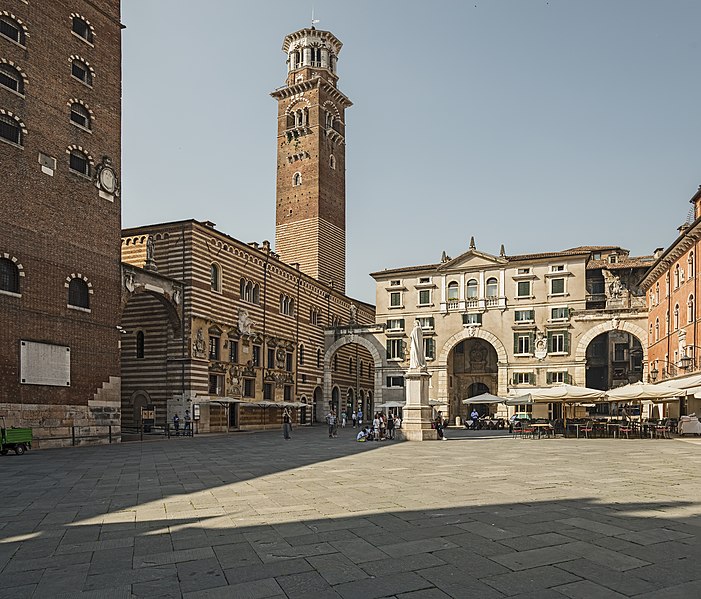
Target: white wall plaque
45	364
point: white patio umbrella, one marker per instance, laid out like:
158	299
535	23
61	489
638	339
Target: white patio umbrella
485	398
565	393
520	400
641	390
391	404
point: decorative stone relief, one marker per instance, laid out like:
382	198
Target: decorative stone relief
198	347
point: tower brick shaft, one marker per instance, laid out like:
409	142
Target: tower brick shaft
311	159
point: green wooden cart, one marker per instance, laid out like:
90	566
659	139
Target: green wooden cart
14	439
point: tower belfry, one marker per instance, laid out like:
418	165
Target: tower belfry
311	158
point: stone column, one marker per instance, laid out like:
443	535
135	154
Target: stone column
416	421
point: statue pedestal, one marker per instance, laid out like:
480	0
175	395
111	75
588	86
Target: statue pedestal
416	421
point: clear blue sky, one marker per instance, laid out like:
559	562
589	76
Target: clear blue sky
539	124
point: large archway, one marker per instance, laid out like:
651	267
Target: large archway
473	369
497	385
354	363
613	359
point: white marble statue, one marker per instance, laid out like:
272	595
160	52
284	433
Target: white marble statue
417	359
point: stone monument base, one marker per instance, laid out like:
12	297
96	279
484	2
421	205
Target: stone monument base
416	415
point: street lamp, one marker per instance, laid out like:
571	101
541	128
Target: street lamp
654	372
687	362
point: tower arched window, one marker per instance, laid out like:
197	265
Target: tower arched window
140	344
79	163
453	292
332	162
11	129
9	276
80	116
690	309
12	30
297	179
78	293
676	317
82	29
215	277
329	120
472	289
492	287
677	278
657	329
82	71
11	78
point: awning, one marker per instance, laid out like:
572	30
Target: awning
391	404
565	393
485	398
641	390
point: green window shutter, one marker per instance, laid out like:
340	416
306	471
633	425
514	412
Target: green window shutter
550	341
513	379
479	318
567	342
401	321
531	378
389	349
515	342
549	378
532	314
531	343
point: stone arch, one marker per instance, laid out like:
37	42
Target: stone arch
606	327
171	309
371	344
139	399
470	333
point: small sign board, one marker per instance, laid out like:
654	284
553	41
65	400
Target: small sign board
148	415
196	411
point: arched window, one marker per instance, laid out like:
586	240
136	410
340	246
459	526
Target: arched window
676	317
10	129
657	293
12	30
242	288
297	179
82	29
256	294
676	276
691	266
318	358
140	344
11	78
453	291
9	276
301	355
690	310
79	163
492	287
215	277
81	71
329	120
78	293
332	162
80	115
472	289
657	329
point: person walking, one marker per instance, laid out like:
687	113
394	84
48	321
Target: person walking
176	424
286	424
331	421
354	417
376	426
390	426
344	417
360	417
188	424
474	416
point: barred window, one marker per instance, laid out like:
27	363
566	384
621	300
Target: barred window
79	163
80	115
81	71
82	29
12	30
78	294
10	129
9	276
11	78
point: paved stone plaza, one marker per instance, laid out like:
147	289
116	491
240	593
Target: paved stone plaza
254	516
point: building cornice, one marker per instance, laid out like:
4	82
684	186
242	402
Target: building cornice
675	251
304	86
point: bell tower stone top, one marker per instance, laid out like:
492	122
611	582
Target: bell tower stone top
310	215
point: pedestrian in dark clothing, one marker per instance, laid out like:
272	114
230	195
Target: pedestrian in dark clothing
286	424
390	426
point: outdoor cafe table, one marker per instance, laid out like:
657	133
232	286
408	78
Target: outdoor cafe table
542	427
612	427
576	426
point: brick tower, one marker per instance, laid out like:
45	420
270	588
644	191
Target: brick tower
60	216
311	165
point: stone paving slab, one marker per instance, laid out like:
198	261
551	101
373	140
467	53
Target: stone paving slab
250	516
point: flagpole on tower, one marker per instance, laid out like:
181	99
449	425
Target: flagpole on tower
314	21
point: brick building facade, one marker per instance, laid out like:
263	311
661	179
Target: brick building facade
60	113
253	334
674	325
